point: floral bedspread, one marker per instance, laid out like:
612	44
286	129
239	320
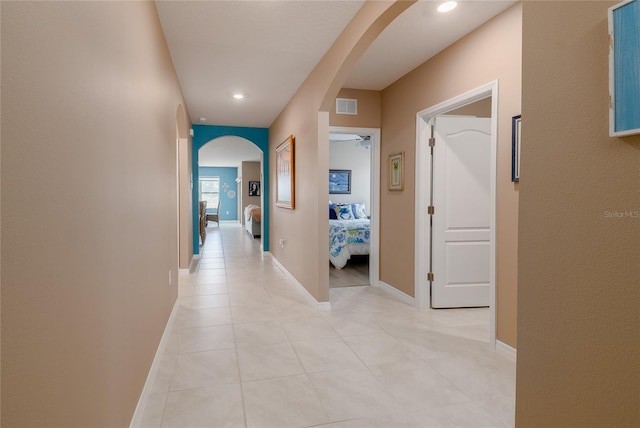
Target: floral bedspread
347	238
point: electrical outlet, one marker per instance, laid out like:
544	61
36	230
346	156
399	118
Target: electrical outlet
227	212
170	277
281	242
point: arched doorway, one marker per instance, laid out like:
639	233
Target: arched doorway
204	134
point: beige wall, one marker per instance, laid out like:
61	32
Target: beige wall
369	105
480	108
185	201
185	175
578	293
89	212
250	171
491	52
306	116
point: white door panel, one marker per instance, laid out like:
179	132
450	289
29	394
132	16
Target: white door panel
468	159
461	224
467	263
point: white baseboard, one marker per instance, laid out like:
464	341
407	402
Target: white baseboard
192	263
322	306
137	415
506	350
405	298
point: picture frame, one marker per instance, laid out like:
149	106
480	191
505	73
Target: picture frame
624	68
516	126
254	188
285	173
340	181
396	171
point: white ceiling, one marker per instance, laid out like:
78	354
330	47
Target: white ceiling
228	151
418	34
266	48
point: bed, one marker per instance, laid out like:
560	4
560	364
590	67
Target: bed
348	235
252	218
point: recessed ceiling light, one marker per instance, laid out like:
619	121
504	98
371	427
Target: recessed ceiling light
447	7
238	96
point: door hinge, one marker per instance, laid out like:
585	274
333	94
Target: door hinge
430	276
432	142
431	210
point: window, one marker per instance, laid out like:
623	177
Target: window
210	191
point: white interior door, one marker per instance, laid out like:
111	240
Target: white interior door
461	224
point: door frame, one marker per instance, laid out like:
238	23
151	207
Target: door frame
424	119
374	198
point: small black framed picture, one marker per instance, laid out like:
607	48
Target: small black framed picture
515	147
254	188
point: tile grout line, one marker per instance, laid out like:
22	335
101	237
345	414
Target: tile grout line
369	308
235	342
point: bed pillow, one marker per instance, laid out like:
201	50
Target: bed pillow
332	212
359	211
344	212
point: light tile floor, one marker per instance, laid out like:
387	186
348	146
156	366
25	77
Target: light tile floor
355	272
246	349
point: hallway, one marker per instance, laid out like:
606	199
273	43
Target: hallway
247	349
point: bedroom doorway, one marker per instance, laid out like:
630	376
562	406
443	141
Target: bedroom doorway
354	182
456	163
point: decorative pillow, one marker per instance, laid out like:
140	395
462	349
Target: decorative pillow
332	212
359	211
344	212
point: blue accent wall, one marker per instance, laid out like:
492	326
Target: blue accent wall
202	134
228	177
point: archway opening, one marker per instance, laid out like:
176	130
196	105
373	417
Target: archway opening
229	147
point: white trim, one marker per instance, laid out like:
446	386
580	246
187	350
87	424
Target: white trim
506	350
322	306
153	371
422	194
422	198
374	242
192	264
400	295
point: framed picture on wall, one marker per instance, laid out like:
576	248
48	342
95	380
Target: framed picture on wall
515	147
285	174
624	68
340	181
254	188
396	171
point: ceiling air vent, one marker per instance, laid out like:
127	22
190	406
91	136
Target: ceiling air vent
346	106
